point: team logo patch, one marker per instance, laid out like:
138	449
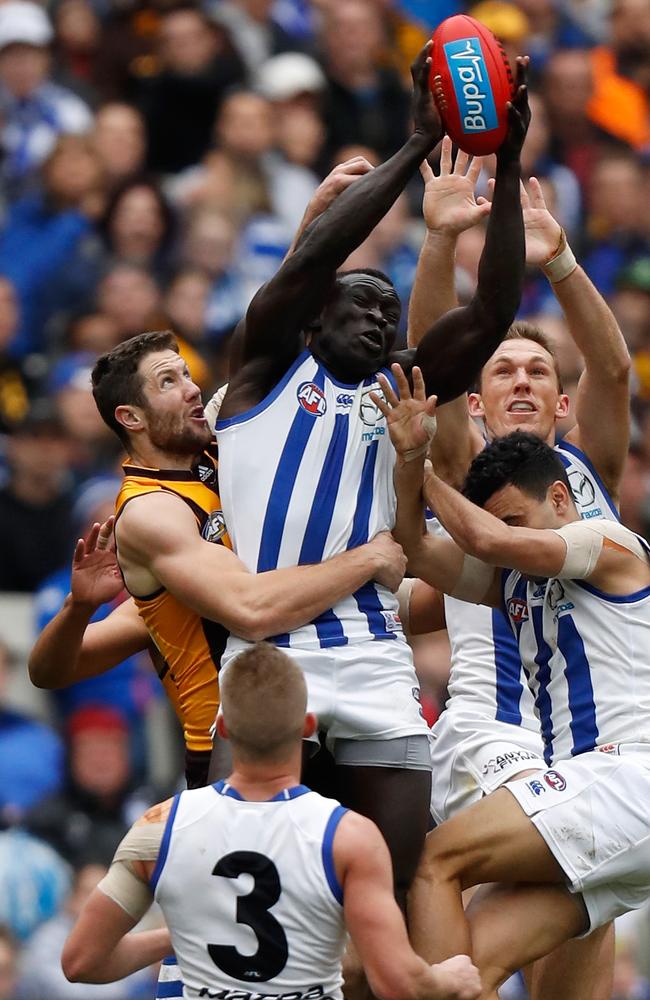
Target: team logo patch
391	621
608	748
371	415
215	527
557	601
471	82
554	780
344	399
518	610
312	398
206	473
536	787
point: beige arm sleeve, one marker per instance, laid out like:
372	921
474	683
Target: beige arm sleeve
121	884
584	541
475	580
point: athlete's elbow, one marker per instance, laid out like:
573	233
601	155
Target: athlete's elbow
390	984
77	964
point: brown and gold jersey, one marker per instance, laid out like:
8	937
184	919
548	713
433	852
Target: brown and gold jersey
190	646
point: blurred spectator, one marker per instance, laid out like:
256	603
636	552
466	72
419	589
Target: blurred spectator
92	815
33	882
31	756
180	99
243	175
41	960
186	302
129	296
537	161
15	388
616	219
8	964
120	141
568	90
631	305
34	110
621	72
35	501
629	984
210	246
367	102
44	231
93	333
138	226
69	386
255	32
295	84
78	38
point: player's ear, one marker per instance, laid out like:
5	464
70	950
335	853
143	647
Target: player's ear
475	404
130	417
562	406
310	726
221	726
561	496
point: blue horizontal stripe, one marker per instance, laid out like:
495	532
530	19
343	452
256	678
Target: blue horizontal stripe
170	991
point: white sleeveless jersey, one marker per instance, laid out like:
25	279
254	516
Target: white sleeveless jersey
305	475
250	894
486	677
587	658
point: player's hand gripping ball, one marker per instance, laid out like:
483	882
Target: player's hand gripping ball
471	82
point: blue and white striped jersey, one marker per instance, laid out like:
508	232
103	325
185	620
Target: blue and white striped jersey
303	476
486	676
587	658
250	894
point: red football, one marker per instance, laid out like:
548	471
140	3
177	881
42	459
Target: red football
471	82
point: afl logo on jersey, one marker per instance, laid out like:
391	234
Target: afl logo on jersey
518	610
215	527
312	398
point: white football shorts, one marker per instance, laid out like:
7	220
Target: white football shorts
472	756
362	691
592	811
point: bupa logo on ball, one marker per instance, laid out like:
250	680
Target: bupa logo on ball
471	82
312	398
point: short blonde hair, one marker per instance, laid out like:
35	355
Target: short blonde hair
263	702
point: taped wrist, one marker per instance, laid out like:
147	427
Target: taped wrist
429	424
562	263
404	592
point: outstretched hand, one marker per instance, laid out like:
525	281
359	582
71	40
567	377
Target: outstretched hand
518	115
426	119
410	416
543	232
96	576
449	205
338	180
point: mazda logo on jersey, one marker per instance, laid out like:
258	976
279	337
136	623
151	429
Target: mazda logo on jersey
369	411
518	610
215	527
582	488
312	398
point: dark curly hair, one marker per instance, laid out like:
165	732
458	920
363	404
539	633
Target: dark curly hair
519	459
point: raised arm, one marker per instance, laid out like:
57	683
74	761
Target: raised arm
377	927
70	648
449	208
280	310
602	428
159	545
453	351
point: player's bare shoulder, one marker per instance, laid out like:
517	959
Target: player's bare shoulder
157	813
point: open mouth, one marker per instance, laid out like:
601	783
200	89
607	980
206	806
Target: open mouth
197	413
372	341
520	406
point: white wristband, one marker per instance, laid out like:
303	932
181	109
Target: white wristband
562	264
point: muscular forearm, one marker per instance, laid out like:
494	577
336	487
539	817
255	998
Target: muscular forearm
346	223
593	327
409	521
453	352
434	292
285	599
135	951
54	660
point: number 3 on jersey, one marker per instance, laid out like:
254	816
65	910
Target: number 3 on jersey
253	910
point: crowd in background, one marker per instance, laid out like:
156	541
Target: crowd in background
156	160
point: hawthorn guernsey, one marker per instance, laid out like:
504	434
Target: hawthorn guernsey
471	82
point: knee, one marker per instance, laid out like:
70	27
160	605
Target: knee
442	859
